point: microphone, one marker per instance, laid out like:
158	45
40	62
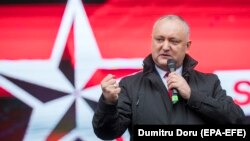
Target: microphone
171	68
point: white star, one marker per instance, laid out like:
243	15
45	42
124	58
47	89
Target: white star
46	116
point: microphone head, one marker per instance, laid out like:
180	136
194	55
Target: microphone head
171	65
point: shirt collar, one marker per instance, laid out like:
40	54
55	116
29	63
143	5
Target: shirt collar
162	72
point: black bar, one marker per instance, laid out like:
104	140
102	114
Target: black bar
198	132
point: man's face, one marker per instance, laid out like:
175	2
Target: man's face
169	41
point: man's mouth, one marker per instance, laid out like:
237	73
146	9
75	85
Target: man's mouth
166	56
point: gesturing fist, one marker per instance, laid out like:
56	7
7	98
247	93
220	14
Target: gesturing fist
110	89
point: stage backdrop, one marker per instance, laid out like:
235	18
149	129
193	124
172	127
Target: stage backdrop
53	57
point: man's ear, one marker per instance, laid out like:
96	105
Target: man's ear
188	46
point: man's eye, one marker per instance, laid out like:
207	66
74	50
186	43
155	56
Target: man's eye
159	39
175	42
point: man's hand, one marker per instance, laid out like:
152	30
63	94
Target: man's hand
177	81
110	89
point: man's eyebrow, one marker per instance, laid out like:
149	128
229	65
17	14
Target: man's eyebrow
159	36
173	38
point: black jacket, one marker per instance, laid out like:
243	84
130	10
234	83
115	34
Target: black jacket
144	100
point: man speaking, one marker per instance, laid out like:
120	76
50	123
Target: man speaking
163	95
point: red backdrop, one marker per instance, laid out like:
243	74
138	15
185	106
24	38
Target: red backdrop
122	29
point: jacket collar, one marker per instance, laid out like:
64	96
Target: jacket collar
188	64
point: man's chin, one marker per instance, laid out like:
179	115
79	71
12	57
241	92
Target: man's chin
162	64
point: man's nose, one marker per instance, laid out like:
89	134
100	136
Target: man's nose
166	45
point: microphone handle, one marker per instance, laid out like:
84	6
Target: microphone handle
174	96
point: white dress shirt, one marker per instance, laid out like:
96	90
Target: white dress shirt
162	74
